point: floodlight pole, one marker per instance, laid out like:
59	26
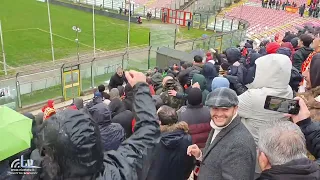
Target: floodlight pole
77	30
3	53
50	27
94	29
128	35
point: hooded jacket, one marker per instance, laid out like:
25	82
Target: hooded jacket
76	140
128	100
172	101
252	68
171	161
112	134
156	81
299	169
236	68
209	71
272	77
233	55
203	85
300	56
121	115
195	69
209	56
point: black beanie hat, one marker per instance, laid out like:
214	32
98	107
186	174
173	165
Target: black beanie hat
194	96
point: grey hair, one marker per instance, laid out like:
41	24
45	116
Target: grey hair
282	142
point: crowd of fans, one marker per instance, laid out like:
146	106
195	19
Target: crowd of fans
204	118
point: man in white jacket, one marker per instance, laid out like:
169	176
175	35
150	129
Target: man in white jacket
272	78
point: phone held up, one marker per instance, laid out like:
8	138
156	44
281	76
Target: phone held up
283	105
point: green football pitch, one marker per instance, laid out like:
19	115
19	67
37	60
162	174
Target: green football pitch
27	39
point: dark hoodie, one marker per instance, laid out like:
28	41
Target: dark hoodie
252	68
300	56
209	72
171	161
236	68
156	81
121	115
203	85
300	169
112	134
128	100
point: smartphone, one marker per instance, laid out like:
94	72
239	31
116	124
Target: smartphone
283	105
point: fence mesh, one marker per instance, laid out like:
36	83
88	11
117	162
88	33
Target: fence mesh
33	87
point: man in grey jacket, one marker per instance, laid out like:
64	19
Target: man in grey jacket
230	151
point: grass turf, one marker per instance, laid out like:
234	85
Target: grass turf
27	40
26	32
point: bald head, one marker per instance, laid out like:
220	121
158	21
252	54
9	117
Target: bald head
316	44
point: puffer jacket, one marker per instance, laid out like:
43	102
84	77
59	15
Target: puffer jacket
91	163
198	119
112	134
170	153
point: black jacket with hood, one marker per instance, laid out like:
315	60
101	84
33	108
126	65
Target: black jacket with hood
236	67
77	146
189	72
299	169
156	81
171	161
128	100
209	71
252	68
121	115
300	56
112	134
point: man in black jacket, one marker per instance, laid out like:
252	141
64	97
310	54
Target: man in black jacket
283	155
117	79
170	160
73	149
303	52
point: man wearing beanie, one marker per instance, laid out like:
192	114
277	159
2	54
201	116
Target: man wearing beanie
230	151
197	117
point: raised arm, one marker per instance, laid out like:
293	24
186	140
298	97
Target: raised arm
132	159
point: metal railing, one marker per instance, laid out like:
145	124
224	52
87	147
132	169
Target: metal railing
230	32
31	87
